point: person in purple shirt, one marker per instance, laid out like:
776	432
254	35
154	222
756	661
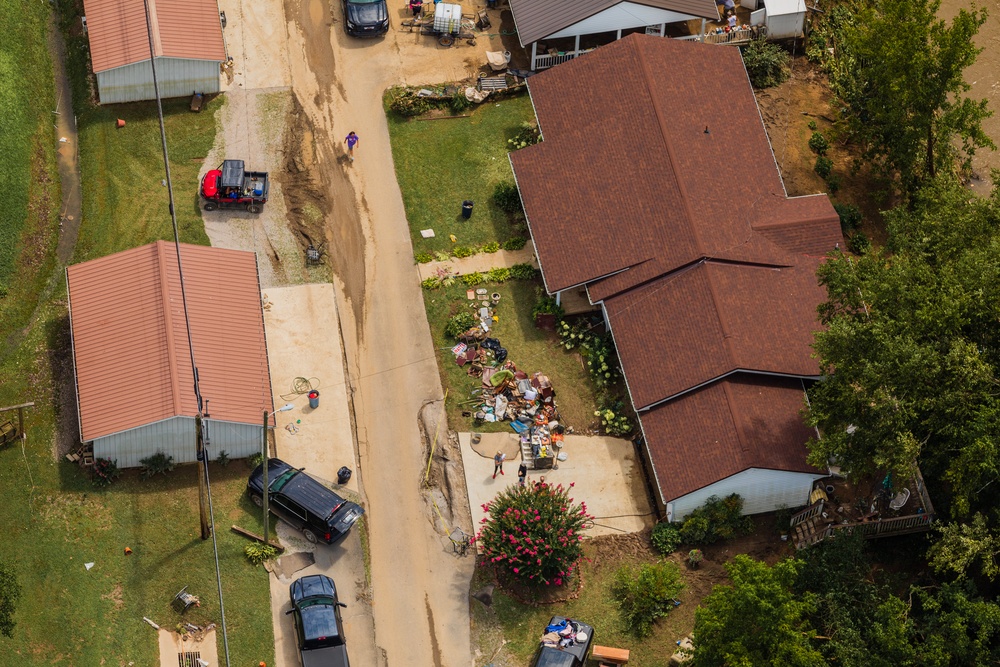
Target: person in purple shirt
352	141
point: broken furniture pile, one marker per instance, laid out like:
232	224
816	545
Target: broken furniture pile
509	394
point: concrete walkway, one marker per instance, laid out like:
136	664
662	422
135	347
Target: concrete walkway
606	473
482	262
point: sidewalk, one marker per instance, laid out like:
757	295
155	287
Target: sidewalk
481	262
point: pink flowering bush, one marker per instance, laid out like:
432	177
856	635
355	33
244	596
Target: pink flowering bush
534	533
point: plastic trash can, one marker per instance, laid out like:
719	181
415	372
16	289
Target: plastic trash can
467	209
314	399
343	475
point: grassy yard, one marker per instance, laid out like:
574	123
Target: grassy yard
56	521
441	163
531	349
521	624
29	198
125	204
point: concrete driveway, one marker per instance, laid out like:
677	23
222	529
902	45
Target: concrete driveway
606	473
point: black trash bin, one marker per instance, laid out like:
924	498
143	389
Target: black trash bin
467	209
343	475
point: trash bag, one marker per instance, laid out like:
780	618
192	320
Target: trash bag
500	355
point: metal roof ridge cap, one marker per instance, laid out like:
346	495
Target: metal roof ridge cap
168	323
661	122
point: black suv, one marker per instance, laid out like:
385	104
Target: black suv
303	502
366	18
318	627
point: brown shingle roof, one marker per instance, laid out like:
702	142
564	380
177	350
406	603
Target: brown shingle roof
537	19
130	345
181	29
725	428
627	180
693	326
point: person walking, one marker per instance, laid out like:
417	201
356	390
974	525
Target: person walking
522	473
415	7
498	460
352	141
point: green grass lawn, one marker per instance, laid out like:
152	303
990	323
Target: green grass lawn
29	196
521	624
441	163
125	204
530	348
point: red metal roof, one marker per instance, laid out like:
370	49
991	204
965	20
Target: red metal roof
725	428
537	19
696	325
657	191
181	29
130	345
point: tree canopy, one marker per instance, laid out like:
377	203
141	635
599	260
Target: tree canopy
911	348
899	71
757	621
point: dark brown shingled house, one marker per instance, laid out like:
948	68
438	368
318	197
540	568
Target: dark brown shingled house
656	189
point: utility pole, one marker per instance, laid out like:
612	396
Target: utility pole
267	491
206	530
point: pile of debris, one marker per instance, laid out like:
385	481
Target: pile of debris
509	394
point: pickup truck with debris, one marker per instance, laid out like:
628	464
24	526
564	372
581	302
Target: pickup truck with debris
565	643
318	626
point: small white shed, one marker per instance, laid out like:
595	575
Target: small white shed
784	19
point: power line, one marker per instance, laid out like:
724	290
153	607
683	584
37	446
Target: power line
206	521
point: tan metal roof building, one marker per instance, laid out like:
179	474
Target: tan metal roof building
187	42
131	354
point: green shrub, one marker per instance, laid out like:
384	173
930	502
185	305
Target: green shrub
602	360
858	243
823	166
423	257
766	63
645	594
665	538
105	472
441	256
255	460
431	283
459	102
833	184
818	143
523	272
473	279
459	324
463	251
405	102
223	458
546	304
526	135
507	199
515	243
258	552
812	125
490	247
614	421
717	519
500	274
157	464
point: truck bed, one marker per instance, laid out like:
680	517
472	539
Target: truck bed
331	656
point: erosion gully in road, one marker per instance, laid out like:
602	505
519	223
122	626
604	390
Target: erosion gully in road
294	60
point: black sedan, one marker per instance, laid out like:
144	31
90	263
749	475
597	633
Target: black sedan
366	18
318	627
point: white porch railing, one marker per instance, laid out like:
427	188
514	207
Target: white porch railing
736	37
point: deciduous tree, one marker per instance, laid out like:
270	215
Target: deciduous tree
899	71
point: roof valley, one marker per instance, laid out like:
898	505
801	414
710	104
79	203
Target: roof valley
168	323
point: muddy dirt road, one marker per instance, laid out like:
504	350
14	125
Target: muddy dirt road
420	590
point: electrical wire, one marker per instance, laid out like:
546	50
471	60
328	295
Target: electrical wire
301	385
187	319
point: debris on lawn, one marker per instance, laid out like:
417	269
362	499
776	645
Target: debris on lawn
155	626
509	394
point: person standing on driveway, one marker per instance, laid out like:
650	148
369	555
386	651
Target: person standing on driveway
352	141
498	460
522	473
